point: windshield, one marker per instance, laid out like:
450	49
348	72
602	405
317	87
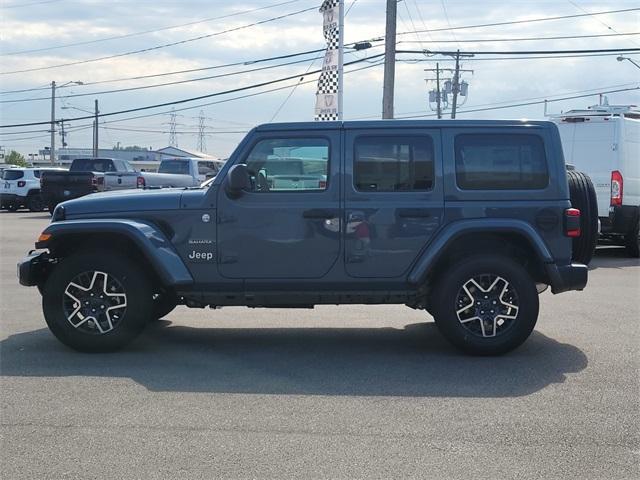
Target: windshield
12	174
174	166
92	165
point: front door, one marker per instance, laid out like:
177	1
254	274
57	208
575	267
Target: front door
288	224
393	199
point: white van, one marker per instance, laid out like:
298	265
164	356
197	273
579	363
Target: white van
603	141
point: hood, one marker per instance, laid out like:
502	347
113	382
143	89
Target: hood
135	200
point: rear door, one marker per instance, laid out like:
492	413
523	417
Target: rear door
393	199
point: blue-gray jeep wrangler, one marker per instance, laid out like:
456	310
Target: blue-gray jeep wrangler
469	220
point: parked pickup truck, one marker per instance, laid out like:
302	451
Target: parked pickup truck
181	172
87	175
467	220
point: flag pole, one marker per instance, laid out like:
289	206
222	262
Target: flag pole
340	59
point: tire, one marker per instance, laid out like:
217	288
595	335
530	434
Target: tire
632	241
583	197
126	308
51	208
515	305
163	305
12	207
35	203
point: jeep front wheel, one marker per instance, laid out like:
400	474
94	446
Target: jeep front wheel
97	301
486	305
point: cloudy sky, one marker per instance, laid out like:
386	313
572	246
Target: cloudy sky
37	36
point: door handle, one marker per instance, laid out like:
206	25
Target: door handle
319	213
413	213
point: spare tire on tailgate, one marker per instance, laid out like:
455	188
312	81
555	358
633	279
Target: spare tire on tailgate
583	197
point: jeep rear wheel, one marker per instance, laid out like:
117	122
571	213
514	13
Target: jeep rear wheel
583	197
97	301
486	305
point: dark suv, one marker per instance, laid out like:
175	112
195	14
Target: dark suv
468	220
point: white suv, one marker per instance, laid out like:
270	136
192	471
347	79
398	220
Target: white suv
20	187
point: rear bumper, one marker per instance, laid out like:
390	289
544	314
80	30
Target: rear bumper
32	269
55	197
565	278
10	198
621	220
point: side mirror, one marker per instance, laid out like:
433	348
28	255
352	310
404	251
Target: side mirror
237	180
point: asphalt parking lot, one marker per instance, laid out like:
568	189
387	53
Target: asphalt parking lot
335	392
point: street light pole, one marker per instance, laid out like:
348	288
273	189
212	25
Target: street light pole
95	129
621	59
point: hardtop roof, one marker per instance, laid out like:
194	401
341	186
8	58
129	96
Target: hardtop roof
393	124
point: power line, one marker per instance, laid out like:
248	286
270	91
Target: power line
185	100
144	87
175	72
609	27
446	16
525	104
491	59
29	4
144	32
157	47
523	52
531	20
527	39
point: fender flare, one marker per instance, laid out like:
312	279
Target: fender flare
455	230
153	243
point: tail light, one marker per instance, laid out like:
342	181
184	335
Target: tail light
97	182
140	182
21	183
572	222
322	184
616	188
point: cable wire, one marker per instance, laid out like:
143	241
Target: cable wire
157	47
144	32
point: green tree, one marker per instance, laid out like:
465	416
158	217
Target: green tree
15	158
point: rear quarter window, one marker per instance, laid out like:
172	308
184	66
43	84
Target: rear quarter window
12	174
500	162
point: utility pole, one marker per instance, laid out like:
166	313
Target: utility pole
438	96
52	154
389	60
95	129
456	86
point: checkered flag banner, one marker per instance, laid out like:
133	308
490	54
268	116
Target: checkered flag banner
329	81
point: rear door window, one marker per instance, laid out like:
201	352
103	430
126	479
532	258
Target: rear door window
393	164
174	166
500	162
92	165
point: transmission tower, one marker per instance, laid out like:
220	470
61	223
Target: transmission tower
173	140
202	145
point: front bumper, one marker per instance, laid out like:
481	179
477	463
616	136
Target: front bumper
569	277
32	269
